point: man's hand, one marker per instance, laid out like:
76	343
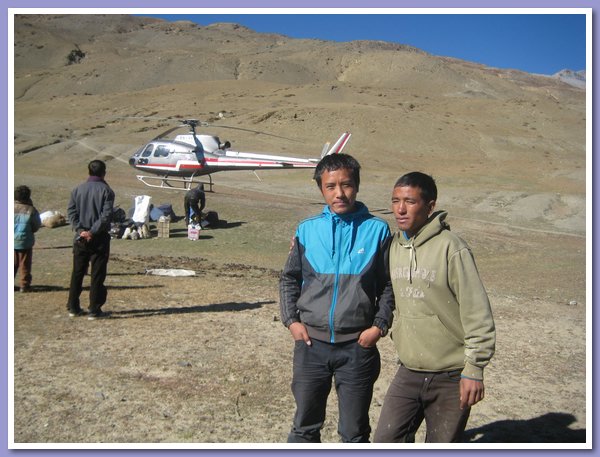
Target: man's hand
299	333
369	337
471	392
86	235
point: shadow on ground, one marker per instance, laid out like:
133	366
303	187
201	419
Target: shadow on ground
212	308
549	428
182	232
50	288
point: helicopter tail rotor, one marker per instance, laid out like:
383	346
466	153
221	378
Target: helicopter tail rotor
338	146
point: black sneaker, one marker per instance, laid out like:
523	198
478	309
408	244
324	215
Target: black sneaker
77	313
97	315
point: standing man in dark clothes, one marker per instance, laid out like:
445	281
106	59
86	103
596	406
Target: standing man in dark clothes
90	210
195	199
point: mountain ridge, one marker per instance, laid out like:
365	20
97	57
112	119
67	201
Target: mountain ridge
115	44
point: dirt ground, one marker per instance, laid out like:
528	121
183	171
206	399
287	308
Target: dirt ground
205	359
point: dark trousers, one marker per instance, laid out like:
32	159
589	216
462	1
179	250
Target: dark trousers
191	204
23	262
94	254
417	395
355	370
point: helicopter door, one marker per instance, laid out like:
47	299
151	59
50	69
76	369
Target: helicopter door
161	151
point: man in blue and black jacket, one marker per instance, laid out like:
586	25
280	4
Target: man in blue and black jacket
336	300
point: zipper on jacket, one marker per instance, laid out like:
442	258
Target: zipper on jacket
338	246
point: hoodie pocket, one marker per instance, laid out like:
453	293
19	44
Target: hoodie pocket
424	343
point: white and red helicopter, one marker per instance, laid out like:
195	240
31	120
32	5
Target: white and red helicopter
175	164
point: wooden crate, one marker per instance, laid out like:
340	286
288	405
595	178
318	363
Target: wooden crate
164	229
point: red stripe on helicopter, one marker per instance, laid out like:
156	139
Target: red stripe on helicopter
221	162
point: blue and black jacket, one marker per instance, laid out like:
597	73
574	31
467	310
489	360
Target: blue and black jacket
27	222
336	279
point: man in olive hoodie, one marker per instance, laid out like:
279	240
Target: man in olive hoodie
443	327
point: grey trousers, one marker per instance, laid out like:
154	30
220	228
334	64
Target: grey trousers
417	395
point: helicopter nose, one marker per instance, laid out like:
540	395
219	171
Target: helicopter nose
132	161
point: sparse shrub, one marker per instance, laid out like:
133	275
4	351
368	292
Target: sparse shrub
75	56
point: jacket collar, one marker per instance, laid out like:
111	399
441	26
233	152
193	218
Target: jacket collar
360	210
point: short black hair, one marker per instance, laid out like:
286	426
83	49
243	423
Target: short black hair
22	194
334	162
97	168
424	182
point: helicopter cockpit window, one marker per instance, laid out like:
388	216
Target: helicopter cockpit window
148	150
161	151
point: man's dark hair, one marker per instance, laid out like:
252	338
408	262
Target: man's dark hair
424	182
97	168
334	162
22	194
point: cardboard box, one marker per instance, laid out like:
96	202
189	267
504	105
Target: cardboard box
164	228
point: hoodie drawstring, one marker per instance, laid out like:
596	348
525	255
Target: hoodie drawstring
413	260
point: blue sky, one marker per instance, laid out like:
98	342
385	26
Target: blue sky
536	43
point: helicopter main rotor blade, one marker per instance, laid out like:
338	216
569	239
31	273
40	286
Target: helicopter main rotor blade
193	123
166	132
254	131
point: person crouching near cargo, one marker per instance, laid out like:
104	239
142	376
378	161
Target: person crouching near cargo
443	329
194	202
336	300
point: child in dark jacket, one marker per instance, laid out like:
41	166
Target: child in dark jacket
27	222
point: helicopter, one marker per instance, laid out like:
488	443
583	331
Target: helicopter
176	164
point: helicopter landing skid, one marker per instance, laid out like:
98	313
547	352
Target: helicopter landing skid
174	183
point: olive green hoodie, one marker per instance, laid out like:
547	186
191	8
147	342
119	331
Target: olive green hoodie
443	320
